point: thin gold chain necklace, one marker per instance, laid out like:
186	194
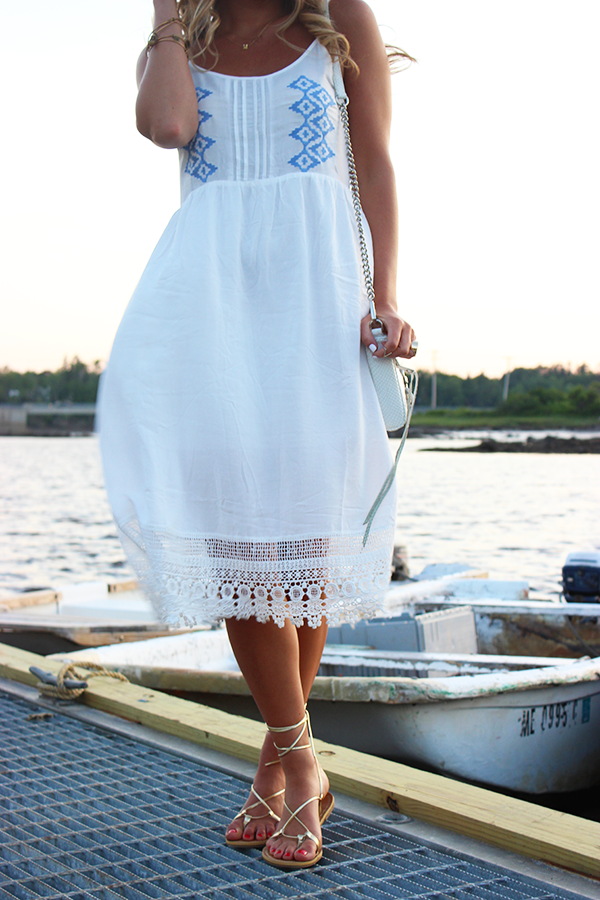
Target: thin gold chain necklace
247	44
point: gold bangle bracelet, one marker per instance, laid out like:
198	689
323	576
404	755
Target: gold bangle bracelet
172	21
154	34
153	40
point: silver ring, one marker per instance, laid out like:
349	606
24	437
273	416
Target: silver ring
414	346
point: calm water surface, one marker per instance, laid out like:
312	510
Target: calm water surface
515	515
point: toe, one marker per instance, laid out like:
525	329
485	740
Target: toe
305	852
233	833
275	849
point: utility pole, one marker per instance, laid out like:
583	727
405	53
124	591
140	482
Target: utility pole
434	380
506	378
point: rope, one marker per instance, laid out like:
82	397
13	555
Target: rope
67	671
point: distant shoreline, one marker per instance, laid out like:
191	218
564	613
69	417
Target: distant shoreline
546	444
437	421
65	419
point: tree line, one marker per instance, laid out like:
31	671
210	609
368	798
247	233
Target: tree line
74	382
540	390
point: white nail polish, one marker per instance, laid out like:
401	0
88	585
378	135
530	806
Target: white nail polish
372	347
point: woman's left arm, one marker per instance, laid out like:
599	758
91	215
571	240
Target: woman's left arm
370	112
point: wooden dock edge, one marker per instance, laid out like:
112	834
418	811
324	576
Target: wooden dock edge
524	828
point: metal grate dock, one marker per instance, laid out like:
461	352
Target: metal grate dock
86	813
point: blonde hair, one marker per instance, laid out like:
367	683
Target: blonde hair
202	21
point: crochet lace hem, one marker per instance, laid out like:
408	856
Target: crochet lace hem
193	579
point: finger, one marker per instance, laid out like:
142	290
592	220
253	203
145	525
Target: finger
408	336
368	339
394	334
365	332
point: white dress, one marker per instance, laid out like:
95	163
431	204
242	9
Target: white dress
242	439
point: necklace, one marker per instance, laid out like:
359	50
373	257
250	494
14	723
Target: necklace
247	44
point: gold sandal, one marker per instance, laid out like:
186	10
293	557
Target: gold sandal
245	812
326	803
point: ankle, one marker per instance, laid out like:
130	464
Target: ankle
268	757
301	764
289	739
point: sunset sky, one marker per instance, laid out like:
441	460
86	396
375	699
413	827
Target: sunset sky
495	144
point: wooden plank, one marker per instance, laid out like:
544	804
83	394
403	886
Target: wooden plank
209	727
29	598
87	632
524	828
49	595
81	623
115	587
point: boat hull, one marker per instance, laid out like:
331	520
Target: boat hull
461	738
533	742
536	742
532	738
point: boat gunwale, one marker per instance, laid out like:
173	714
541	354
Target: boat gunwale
389	690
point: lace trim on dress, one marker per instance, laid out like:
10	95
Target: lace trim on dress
193	579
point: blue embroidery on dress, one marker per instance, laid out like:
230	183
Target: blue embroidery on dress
197	166
313	106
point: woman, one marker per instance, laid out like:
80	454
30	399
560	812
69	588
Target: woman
242	438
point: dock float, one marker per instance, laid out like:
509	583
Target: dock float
83	808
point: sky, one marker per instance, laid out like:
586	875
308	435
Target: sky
495	145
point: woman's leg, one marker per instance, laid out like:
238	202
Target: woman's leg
280	665
311	642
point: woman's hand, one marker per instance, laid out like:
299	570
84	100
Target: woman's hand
400	335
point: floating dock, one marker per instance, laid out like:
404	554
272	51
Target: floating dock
126	795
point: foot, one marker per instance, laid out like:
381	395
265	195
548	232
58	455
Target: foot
269	780
302	783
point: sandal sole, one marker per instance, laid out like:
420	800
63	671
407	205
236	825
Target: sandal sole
246	845
291	863
325	807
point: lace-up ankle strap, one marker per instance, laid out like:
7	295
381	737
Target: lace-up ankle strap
283	751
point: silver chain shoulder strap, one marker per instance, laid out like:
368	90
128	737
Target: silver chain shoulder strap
342	101
394	380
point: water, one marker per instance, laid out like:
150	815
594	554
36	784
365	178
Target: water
513	515
55	523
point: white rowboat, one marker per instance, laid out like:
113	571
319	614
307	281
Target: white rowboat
521	723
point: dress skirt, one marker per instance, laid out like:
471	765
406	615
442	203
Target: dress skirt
241	436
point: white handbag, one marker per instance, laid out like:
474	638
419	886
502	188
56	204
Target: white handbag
395	384
396	388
